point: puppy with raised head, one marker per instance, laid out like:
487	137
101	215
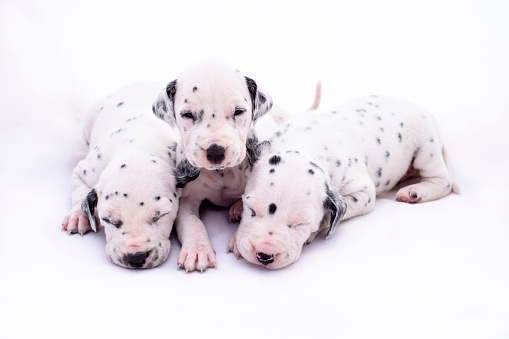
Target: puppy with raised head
215	108
329	165
128	181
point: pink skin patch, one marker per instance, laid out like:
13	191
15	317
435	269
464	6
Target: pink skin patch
412	197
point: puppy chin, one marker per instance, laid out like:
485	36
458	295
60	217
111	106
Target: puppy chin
283	259
228	162
152	256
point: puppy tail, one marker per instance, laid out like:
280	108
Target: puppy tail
318	97
448	163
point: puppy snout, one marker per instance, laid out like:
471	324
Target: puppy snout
138	259
215	154
264	258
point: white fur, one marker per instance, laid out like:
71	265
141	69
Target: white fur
129	166
332	159
203	103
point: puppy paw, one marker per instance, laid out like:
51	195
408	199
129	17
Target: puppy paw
232	246
76	222
235	213
197	257
409	194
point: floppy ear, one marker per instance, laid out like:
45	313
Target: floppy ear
185	173
163	106
336	204
261	100
254	148
88	206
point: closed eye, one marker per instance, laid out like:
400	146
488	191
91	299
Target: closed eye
298	225
117	223
159	216
187	115
239	111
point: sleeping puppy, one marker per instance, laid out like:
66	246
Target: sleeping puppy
128	181
329	165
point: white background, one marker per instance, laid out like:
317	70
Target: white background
433	270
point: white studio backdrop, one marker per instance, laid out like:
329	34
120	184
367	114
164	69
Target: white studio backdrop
434	270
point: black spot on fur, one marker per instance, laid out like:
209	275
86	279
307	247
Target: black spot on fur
400	137
272	171
310	171
125	195
431	140
387	154
378	141
338	163
141	204
262	98
387	183
120	104
99	156
272	208
195	89
85	172
185	173
123	166
379	172
274	160
354	199
157	198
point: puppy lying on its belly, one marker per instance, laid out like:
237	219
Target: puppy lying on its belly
329	165
127	182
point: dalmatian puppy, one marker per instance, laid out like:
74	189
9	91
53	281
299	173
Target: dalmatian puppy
215	108
128	181
329	165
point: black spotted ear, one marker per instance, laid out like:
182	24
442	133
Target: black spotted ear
88	207
163	106
185	173
260	99
254	148
336	204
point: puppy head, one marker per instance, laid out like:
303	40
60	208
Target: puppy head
214	107
287	199
136	202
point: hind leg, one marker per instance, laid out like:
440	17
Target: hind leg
436	178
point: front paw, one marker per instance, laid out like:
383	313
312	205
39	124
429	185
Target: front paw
76	222
232	246
235	213
197	256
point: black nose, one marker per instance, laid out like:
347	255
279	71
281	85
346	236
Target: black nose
137	260
215	154
265	258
